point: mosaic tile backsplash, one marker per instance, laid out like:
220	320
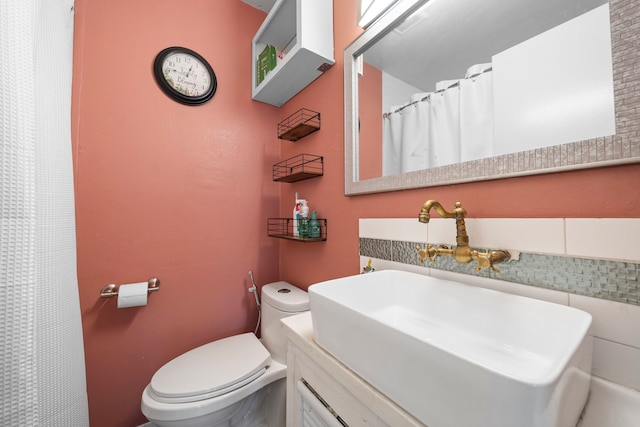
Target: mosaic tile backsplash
610	280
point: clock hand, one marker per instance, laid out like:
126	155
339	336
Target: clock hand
173	70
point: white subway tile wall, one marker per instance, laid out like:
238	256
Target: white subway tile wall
607	238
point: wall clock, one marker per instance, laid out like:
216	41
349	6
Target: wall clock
184	75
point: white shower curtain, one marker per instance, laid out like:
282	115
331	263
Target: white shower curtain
444	127
476	114
451	125
43	374
415	133
392	143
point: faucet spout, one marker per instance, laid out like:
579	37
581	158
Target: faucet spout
424	215
462	252
458	213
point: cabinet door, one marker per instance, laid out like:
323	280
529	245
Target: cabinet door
351	411
314	412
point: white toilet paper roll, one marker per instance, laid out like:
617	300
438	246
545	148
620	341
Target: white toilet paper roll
132	295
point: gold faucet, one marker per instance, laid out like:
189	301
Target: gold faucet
462	252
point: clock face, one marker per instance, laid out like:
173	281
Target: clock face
185	76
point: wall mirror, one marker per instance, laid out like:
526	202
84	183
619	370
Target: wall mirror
561	78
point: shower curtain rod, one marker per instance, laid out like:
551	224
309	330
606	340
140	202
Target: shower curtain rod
426	98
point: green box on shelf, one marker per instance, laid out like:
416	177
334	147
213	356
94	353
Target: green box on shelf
267	61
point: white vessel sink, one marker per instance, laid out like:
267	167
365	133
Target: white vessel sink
457	355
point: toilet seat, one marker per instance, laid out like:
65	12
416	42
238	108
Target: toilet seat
211	370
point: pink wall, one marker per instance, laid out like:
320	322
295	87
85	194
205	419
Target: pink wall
166	190
183	193
370	132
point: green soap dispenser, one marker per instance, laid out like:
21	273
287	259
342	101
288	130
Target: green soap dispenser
314	226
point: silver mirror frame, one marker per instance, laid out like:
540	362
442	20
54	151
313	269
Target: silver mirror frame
621	148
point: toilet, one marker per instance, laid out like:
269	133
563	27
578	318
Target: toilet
235	381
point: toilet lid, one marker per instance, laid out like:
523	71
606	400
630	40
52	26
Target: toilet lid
211	370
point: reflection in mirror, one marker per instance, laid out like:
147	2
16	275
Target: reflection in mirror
434	88
370	10
520	85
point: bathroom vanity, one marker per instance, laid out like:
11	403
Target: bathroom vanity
395	348
350	398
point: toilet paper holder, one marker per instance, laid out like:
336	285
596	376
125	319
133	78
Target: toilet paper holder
111	290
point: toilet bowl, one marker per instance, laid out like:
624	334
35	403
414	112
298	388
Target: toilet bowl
237	381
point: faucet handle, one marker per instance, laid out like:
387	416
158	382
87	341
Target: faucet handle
426	253
485	262
431	252
423	254
488	259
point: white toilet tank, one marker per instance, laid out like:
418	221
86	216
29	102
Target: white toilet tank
279	300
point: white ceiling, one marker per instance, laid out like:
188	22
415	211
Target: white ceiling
455	34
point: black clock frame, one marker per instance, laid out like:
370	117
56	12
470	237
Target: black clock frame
170	91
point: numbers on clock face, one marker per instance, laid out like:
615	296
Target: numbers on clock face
186	74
